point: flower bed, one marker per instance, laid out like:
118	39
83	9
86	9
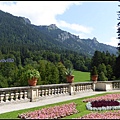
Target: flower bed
105	115
51	112
105	102
103	105
104	97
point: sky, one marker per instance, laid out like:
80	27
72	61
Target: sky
86	19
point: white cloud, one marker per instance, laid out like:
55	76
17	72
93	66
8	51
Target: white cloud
75	27
113	42
39	12
45	12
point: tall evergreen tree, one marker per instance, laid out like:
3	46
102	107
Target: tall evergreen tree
117	66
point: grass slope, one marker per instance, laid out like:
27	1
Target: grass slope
81	76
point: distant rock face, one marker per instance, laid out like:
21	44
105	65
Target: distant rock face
71	41
66	35
52	27
95	40
63	36
26	20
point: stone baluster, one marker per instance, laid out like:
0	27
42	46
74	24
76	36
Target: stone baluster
78	88
59	90
66	89
56	90
88	87
12	96
25	95
21	95
43	92
7	96
118	84
16	96
84	87
52	91
40	93
49	91
63	90
46	92
2	97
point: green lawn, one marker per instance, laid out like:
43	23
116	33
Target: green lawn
81	76
80	107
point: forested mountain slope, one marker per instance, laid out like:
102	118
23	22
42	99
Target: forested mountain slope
18	32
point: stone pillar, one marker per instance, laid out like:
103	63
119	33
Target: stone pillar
71	89
94	86
33	94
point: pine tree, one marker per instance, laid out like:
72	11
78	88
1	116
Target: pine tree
117	66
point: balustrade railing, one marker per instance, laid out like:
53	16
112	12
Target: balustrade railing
116	85
13	94
53	90
39	92
83	86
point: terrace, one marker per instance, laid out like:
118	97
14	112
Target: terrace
44	94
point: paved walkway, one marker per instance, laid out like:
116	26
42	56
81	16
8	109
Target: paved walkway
19	106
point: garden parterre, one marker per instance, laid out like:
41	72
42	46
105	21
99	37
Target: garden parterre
104	97
105	115
51	112
62	111
113	114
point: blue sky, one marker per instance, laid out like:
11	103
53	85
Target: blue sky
86	19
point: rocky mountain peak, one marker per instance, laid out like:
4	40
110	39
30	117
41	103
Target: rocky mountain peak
26	20
52	27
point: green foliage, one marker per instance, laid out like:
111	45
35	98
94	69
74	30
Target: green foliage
32	73
106	63
69	71
94	71
102	68
61	68
102	77
117	67
28	44
3	82
109	72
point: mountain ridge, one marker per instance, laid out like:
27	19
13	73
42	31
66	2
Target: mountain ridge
79	44
16	31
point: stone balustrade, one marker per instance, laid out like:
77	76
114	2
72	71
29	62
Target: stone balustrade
13	95
107	85
39	92
116	85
